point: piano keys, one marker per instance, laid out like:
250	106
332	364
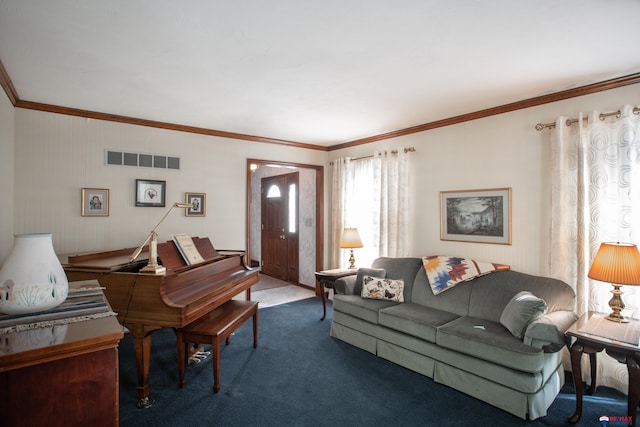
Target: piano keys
146	303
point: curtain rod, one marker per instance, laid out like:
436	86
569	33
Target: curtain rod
406	150
569	122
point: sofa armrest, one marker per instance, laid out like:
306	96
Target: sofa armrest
345	285
547	332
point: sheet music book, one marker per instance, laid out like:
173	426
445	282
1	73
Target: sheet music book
187	249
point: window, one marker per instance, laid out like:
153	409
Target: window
293	220
273	192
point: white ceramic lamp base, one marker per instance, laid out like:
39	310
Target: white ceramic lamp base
32	278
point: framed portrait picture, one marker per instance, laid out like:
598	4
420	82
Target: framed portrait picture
150	192
482	216
95	202
198	202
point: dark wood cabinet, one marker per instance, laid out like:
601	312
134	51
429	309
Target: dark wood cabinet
65	375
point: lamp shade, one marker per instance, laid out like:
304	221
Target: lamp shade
616	263
350	239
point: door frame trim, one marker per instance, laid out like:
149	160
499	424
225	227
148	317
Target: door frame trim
319	207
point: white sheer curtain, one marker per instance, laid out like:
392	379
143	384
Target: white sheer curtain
595	199
341	173
393	227
372	195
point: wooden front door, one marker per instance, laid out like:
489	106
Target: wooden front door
279	244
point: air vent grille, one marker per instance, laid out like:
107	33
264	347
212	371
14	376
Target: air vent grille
142	160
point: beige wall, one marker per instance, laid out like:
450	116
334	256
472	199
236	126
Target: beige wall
56	155
498	151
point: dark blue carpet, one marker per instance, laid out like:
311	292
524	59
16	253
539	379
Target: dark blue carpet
300	376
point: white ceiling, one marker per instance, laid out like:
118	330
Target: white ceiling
313	71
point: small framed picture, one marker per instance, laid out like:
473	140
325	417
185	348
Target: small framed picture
150	192
198	202
95	202
482	216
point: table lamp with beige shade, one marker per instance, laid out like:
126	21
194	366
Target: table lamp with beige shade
350	239
618	264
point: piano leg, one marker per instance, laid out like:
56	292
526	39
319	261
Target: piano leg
142	348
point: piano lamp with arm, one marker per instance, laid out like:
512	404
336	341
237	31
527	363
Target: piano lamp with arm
618	264
153	267
350	239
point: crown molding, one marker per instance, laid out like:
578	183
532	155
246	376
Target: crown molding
519	105
161	125
7	85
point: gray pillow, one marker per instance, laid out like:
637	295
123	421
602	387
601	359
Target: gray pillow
374	272
523	309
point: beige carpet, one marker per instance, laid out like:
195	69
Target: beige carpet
269	292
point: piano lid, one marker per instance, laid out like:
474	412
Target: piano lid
107	261
118	260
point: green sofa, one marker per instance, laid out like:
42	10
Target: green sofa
457	338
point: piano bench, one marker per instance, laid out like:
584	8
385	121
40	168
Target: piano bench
211	329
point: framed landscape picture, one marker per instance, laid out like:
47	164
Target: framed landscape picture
198	202
95	202
482	216
150	192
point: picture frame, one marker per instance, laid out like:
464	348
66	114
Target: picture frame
150	192
480	216
95	202
198	201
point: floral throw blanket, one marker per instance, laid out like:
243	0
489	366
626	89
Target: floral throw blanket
444	272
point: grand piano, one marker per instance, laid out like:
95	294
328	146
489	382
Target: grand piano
146	302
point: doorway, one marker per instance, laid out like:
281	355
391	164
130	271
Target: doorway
310	216
279	227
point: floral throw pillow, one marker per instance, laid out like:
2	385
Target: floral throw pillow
378	288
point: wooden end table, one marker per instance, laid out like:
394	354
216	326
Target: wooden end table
586	342
327	279
61	375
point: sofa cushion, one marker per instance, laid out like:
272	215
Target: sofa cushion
489	341
362	308
455	300
400	268
523	309
490	294
414	319
380	288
